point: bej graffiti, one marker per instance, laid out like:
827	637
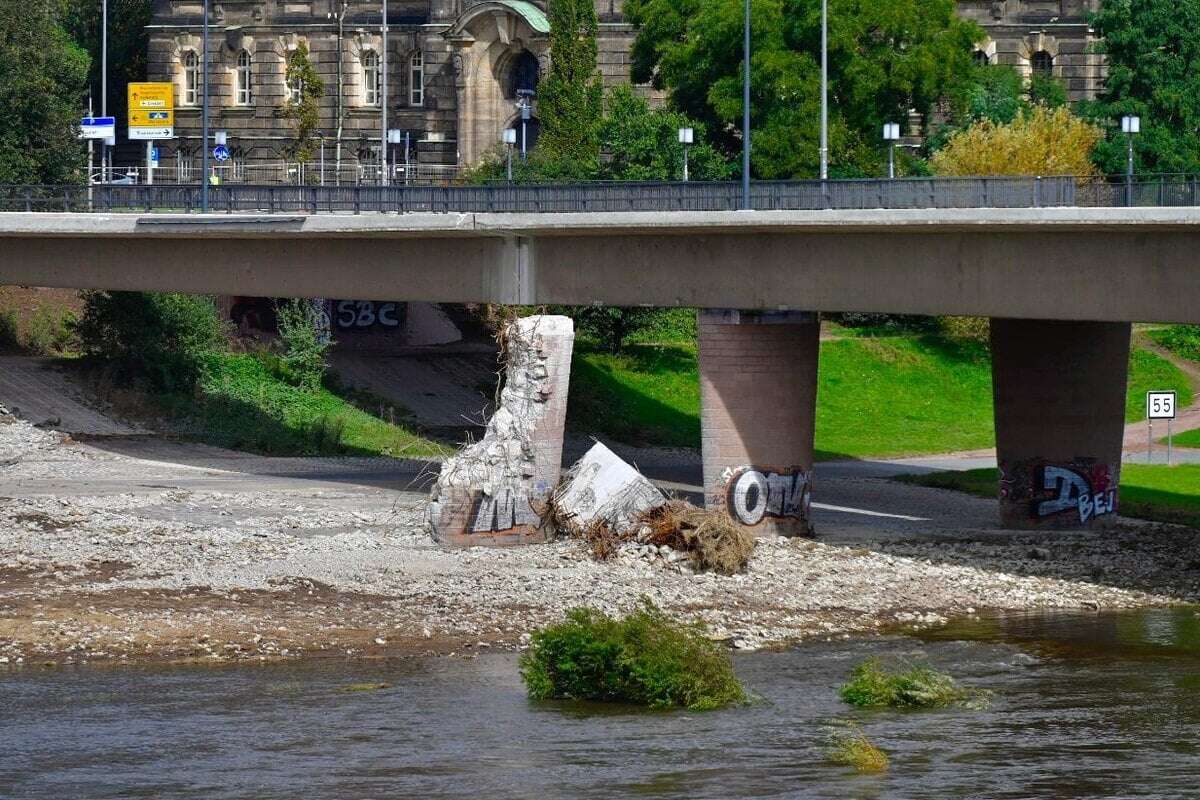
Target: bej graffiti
1081	490
753	494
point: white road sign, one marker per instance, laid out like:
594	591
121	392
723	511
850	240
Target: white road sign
97	127
1160	405
151	134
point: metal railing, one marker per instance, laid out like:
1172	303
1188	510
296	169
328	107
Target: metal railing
599	197
284	173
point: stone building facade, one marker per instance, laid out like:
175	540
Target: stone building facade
455	71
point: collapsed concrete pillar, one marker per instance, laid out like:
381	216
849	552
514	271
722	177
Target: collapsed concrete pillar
1059	394
492	492
758	393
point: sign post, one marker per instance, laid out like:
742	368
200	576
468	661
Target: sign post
151	118
1159	405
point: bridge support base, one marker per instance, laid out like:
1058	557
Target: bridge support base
1059	393
758	391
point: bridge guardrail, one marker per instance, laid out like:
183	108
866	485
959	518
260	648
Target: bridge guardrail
901	193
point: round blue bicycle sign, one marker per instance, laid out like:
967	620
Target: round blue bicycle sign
221	153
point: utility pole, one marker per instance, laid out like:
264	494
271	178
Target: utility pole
383	102
105	155
746	109
824	90
204	118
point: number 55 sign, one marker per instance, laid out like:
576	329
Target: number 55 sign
1160	405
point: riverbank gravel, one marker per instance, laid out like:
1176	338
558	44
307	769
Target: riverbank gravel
165	572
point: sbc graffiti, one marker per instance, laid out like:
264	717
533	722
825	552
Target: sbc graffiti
506	510
350	315
753	494
1081	490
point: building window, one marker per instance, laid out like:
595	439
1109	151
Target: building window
370	65
416	79
245	89
295	89
981	58
1043	64
191	71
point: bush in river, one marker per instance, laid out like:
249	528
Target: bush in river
852	748
872	684
643	658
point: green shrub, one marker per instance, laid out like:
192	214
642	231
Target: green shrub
643	658
156	339
874	685
304	344
611	328
967	329
9	336
853	749
1182	340
50	330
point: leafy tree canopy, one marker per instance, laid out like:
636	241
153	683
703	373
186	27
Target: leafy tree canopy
305	110
571	96
1153	56
1043	141
43	78
128	43
643	144
885	57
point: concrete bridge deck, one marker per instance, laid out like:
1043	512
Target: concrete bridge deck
1102	264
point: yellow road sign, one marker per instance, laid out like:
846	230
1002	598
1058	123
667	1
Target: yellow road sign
151	119
151	96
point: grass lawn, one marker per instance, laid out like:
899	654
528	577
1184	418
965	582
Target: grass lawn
1188	438
1148	491
242	404
886	396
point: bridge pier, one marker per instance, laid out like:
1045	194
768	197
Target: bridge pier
758	392
1059	394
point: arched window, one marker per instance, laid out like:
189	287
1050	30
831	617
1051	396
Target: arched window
295	88
416	79
523	76
245	89
370	65
191	71
981	58
1042	63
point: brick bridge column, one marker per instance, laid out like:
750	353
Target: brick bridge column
1059	393
758	393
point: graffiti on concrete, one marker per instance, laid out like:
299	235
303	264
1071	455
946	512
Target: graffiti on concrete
1081	490
506	510
357	315
753	494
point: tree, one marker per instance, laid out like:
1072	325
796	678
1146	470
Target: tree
306	110
1043	141
643	144
886	57
1153	56
43	77
997	93
128	43
571	96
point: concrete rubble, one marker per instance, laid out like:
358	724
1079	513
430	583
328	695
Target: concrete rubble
602	487
495	491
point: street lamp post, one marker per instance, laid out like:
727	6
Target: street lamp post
891	135
526	114
1130	125
394	136
383	104
510	139
204	117
746	108
686	137
824	89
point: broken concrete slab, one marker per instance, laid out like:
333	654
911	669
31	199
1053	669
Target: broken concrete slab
600	486
496	490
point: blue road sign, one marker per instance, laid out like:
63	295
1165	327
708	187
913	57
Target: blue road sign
221	153
97	127
154	156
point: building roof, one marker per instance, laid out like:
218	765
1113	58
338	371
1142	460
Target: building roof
531	14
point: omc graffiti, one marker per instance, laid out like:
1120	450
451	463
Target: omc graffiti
752	494
1077	491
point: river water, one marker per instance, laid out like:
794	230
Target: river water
1084	706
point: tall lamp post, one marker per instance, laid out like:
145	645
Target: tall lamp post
383	101
510	139
824	89
891	135
1130	125
204	118
746	109
105	154
686	137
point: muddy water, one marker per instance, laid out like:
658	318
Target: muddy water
1095	706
